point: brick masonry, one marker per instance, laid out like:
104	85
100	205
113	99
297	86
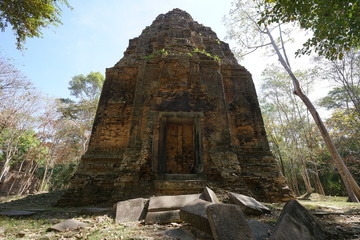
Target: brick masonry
176	103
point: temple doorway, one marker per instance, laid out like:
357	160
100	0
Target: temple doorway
179	145
180	148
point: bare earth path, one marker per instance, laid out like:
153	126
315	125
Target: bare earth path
340	219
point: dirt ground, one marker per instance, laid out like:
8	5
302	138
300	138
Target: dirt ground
339	218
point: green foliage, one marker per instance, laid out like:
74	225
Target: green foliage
335	24
28	17
337	98
87	87
164	52
204	52
345	75
292	137
344	126
331	182
27	146
76	117
158	53
60	175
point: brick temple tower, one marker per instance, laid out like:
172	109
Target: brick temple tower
177	112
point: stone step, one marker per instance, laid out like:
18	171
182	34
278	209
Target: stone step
178	187
182	177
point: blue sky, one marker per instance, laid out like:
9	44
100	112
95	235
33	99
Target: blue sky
94	36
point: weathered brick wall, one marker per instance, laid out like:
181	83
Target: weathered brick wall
177	71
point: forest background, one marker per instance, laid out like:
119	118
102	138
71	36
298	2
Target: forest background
43	137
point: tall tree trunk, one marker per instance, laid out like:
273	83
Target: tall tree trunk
306	178
5	168
293	179
44	178
27	184
351	186
318	185
278	151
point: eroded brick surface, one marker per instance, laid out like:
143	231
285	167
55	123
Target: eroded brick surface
176	103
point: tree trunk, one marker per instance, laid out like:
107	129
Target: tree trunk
44	178
5	168
305	176
278	151
27	184
318	185
292	179
295	183
349	182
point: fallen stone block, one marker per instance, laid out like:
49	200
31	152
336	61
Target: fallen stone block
227	221
210	196
179	233
248	204
296	223
163	217
195	214
36	210
68	225
259	229
94	211
187	232
17	213
130	210
163	203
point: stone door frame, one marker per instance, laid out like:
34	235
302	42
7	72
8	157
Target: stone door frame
166	117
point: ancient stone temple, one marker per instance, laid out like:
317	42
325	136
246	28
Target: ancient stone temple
176	113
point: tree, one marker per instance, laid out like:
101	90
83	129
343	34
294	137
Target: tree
60	136
87	87
334	24
290	130
252	15
81	113
345	74
18	104
337	98
28	17
12	83
65	128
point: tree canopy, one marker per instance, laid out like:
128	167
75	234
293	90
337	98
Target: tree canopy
335	24
87	87
256	13
28	17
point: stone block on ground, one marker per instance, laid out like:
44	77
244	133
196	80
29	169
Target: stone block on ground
296	223
130	210
195	214
163	203
227	221
210	196
68	225
179	233
17	213
198	234
259	229
163	217
95	210
36	210
248	205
